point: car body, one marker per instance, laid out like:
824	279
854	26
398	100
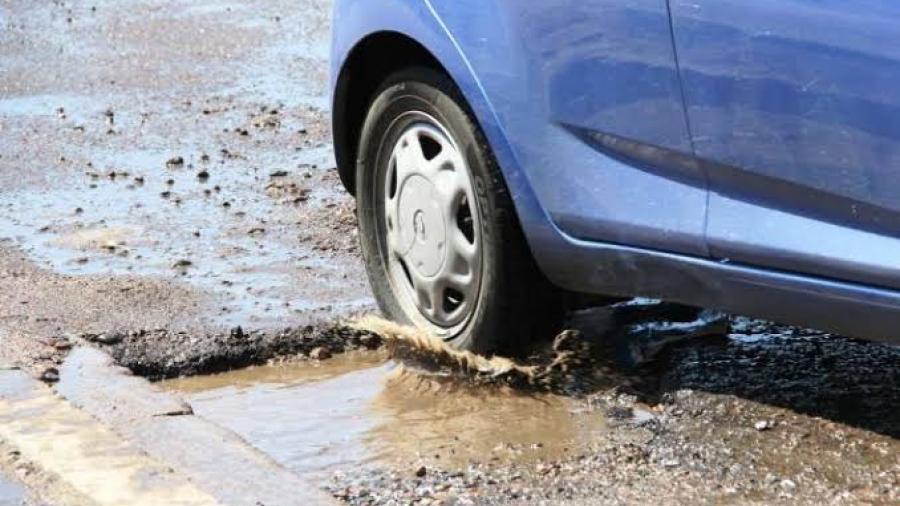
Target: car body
737	155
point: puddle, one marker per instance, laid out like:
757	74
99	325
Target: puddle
359	409
452	408
10	494
42	105
85	183
145	219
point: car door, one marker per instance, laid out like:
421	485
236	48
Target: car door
794	110
587	93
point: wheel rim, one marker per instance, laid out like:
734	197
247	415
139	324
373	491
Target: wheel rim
432	228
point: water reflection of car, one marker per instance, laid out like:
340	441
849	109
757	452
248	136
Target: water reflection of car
737	155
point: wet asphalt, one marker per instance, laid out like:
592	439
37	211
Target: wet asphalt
10	493
168	193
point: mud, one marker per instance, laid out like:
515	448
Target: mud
769	413
43	312
606	346
603	347
772	415
360	410
159	354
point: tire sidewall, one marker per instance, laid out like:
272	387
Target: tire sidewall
397	97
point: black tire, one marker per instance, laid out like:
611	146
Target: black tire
515	303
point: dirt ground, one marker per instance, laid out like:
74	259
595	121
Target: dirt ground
168	194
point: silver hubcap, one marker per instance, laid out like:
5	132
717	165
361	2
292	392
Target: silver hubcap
432	225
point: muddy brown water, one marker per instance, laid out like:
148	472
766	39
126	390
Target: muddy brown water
363	409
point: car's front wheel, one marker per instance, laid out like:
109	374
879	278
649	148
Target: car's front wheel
442	244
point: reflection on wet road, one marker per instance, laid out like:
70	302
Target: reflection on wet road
359	409
779	408
10	493
224	233
195	146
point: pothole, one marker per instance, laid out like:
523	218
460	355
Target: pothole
405	415
361	409
416	400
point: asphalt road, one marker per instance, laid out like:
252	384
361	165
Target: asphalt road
166	175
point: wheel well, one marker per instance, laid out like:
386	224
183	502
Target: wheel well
372	60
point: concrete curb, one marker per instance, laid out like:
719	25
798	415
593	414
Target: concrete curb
96	464
163	425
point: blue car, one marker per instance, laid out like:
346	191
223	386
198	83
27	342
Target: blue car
738	155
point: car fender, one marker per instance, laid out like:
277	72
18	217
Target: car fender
356	20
